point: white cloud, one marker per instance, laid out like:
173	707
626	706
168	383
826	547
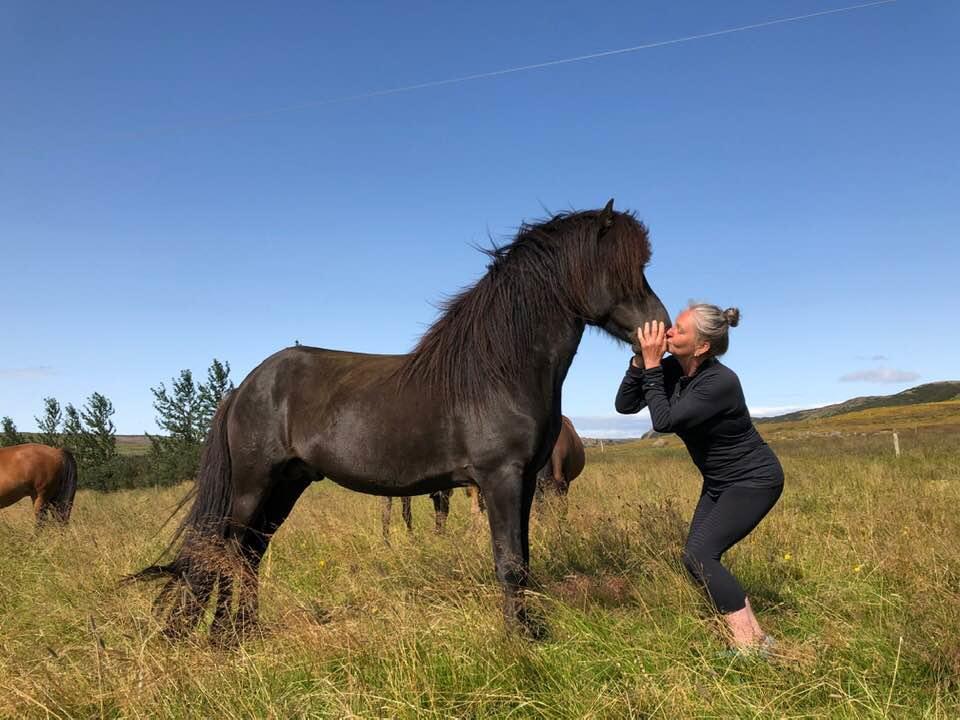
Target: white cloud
880	375
28	373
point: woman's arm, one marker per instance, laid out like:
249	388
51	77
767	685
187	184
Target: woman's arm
630	395
704	399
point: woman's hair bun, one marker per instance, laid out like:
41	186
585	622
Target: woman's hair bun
733	316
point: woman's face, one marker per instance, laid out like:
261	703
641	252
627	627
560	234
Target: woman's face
682	337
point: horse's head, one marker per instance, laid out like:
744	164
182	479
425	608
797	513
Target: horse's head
618	298
572	269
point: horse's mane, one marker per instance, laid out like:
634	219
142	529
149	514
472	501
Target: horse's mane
485	333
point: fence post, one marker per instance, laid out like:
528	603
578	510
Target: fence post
896	444
601	446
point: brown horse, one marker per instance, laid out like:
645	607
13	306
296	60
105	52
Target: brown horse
46	474
565	463
477	402
441	508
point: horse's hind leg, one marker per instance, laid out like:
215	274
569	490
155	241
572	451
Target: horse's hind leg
252	485
221	616
441	508
190	596
41	510
562	485
275	509
544	484
405	511
477	505
386	505
210	564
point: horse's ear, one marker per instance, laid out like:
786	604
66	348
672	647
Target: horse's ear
606	215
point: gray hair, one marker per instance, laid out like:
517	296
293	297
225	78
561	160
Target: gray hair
713	326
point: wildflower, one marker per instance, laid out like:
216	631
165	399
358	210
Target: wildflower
858	568
787	557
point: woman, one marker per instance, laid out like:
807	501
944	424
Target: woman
692	394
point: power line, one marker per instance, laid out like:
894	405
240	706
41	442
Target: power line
592	56
534	66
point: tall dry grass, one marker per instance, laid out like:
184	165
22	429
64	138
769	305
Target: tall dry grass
856	571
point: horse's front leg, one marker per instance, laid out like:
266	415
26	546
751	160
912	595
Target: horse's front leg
509	494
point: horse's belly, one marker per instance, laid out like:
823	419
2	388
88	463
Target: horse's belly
387	464
422	486
10	495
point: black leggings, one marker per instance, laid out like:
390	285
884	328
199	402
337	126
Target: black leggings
719	524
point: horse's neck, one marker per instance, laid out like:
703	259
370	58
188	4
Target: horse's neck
556	344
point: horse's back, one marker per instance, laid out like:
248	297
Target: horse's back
349	417
306	383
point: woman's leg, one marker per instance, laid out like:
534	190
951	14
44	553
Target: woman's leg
717	527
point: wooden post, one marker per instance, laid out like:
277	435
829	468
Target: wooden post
896	445
601	445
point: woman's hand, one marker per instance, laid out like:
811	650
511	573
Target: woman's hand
653	343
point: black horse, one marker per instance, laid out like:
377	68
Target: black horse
476	403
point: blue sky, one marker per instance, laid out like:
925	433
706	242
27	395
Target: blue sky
174	187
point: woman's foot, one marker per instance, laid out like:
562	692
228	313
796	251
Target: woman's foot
743	628
745	631
761	650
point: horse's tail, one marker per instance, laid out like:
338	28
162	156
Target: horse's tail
62	502
213	491
200	538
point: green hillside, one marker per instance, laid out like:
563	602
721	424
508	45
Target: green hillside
928	393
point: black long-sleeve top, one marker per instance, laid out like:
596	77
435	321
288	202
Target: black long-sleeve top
709	413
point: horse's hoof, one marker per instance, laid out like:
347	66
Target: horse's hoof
532	627
224	638
536	630
249	630
173	632
223	633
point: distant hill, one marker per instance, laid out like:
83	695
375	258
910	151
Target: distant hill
928	393
133	444
941	416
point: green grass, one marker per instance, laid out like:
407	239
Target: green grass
856	571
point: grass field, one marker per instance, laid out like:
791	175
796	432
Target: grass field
856	571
